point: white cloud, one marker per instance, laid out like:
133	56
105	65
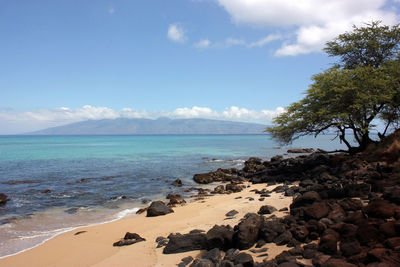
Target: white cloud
111	10
269	38
176	33
203	43
18	122
312	22
233	41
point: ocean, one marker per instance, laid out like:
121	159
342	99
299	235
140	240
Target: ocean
58	183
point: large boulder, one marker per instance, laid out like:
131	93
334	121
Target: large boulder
220	236
158	208
247	231
317	210
305	199
129	239
175	200
380	209
3	199
181	243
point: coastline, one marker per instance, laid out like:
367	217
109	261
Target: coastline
94	247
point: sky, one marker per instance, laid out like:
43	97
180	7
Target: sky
244	60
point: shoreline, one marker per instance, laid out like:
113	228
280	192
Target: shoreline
196	214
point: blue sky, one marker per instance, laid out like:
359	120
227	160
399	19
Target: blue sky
65	61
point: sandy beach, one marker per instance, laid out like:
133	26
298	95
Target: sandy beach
94	246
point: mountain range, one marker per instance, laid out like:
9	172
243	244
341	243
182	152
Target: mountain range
125	126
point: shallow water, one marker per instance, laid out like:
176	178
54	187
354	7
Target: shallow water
94	179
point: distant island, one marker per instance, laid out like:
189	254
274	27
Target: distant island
125	126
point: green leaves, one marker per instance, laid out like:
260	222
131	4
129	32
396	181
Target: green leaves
350	96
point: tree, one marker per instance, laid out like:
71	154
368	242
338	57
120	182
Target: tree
350	96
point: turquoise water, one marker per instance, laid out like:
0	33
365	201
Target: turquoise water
93	179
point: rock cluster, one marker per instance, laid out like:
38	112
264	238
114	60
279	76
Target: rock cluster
344	213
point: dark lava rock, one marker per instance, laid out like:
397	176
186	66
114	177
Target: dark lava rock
305	199
288	264
332	262
3	199
380	209
300	232
202	263
267	209
244	259
158	208
283	239
175	200
350	248
181	243
285	256
219	189
178	183
214	255
349	204
220	237
231	213
393	242
247	231
129	239
47	191
203	178
185	261
328	242
233	188
317	210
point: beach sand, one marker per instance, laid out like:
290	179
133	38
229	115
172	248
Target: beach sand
95	246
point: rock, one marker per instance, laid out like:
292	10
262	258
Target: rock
181	243
178	183
349	204
300	150
219	189
129	239
380	209
233	188
350	248
300	232
332	262
283	238
158	208
3	199
185	261
393	242
376	254
367	233
337	214
47	191
284	256
317	210
288	264
392	194
140	211
175	200
267	209
305	199
219	237
203	178
319	259
231	213
244	259
214	255
328	242
247	231
202	263
388	229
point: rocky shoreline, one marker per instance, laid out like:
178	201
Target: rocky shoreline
345	212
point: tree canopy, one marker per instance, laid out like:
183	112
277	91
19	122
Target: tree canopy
350	96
